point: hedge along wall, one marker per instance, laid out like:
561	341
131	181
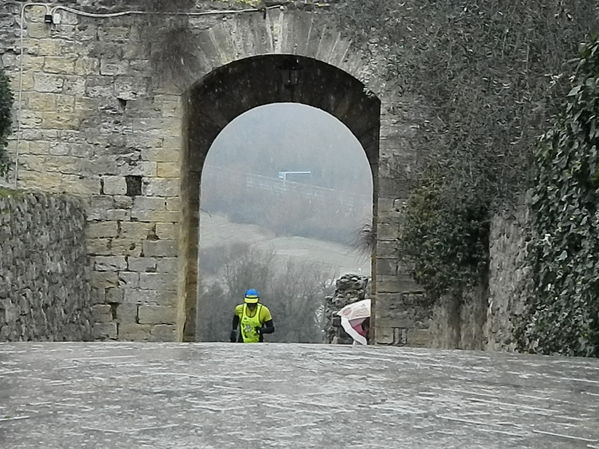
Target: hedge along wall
487	317
44	289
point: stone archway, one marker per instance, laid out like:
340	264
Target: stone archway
230	90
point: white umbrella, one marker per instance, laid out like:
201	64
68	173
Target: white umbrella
352	317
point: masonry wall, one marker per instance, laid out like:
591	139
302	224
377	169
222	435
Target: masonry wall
99	119
44	289
486	316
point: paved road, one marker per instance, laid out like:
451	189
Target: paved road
216	395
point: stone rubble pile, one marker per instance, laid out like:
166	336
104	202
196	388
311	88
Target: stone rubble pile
349	288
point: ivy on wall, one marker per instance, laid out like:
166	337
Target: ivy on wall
6	101
563	312
489	72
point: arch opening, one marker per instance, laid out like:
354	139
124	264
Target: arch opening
285	190
231	90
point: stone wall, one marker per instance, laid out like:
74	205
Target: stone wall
99	118
509	278
44	291
484	318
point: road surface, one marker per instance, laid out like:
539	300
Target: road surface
220	395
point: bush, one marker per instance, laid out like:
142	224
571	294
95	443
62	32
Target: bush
6	102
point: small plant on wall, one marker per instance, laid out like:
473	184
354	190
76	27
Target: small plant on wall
6	101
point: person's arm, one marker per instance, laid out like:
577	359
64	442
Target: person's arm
268	327
234	325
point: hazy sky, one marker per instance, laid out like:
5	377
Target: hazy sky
240	178
294	137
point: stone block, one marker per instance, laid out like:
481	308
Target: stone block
168	170
109	263
114	185
48	47
155	215
130	87
101	229
167	265
142	264
134	332
43	82
138	296
158	281
160	248
102	313
387	231
114	295
162	154
135	230
114	67
173	204
87	66
386	267
59	64
56	120
157	314
114	33
126	247
128	279
104	279
164	332
387	248
142	203
38	30
419	338
167	231
104	331
74	85
99	247
126	313
99	86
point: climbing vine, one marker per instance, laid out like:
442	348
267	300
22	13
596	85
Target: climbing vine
489	72
563	312
6	101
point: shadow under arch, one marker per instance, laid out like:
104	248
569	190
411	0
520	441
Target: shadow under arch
229	91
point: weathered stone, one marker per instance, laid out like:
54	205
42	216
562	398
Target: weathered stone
160	248
142	264
109	263
157	281
156	314
135	230
105	331
128	279
114	185
101	313
101	229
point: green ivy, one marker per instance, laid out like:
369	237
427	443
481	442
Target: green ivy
6	101
488	76
563	311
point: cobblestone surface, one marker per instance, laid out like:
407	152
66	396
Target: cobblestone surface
167	395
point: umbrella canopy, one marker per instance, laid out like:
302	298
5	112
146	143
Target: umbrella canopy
352	317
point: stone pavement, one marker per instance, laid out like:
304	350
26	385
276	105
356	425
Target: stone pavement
219	395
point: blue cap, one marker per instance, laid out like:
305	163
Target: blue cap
251	296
